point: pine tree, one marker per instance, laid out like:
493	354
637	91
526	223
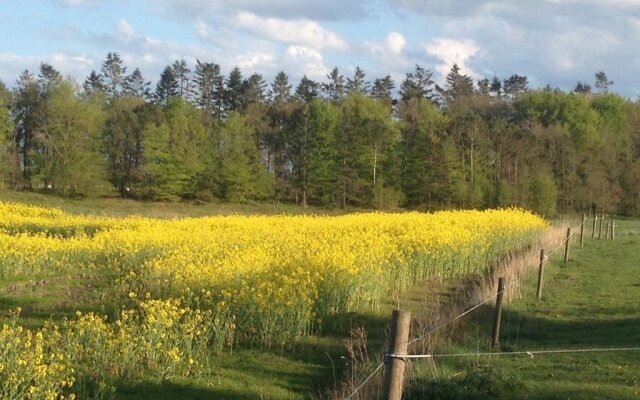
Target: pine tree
209	88
280	120
582	87
358	84
27	122
382	88
335	89
515	85
253	90
9	165
219	95
602	82
307	90
421	131
48	78
94	84
457	85
280	88
417	84
136	86
166	87
234	90
324	159
113	73
496	87
181	74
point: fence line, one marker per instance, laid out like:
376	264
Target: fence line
438	327
530	353
475	307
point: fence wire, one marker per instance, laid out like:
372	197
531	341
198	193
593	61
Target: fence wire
475	307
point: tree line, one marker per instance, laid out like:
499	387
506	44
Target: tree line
344	142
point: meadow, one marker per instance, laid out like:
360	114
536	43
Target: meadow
135	298
589	303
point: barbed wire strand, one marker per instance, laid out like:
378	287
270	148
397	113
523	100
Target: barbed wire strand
442	325
573	232
530	353
365	381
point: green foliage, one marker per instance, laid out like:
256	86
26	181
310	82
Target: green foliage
477	382
543	194
324	121
160	176
342	142
69	160
9	170
365	139
421	129
241	177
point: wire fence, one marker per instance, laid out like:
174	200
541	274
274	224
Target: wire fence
529	353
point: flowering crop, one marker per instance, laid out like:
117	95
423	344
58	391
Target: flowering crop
254	279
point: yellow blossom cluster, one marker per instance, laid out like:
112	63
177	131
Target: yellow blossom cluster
265	279
87	356
30	367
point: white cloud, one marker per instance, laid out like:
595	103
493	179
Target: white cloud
73	3
306	61
296	32
254	61
389	54
68	63
202	29
126	33
608	3
395	42
320	10
452	51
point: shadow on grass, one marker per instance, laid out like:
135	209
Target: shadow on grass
520	331
552	331
176	391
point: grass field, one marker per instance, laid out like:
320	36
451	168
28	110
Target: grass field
235	308
117	207
593	302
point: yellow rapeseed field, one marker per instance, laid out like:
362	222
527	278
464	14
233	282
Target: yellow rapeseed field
187	283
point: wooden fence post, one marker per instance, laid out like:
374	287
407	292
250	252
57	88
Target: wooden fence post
394	374
495	339
566	246
540	275
584	220
595	221
613	229
600	228
606	235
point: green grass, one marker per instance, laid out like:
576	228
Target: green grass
590	303
118	207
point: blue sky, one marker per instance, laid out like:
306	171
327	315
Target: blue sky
551	41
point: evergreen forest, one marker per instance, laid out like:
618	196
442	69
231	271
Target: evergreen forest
199	134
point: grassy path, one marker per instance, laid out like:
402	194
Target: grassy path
593	302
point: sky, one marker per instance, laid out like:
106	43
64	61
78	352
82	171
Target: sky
556	42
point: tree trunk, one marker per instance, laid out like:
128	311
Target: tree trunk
375	164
